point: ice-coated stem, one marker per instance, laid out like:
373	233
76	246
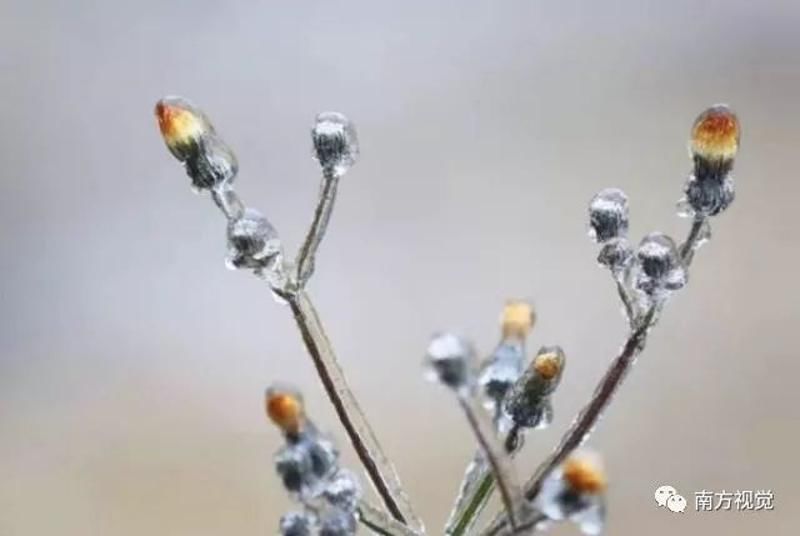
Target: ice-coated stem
377	466
695	232
322	215
380	523
498	459
463	519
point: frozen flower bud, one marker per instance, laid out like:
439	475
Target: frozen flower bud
296	524
659	264
608	215
252	242
335	142
182	126
518	319
284	407
500	371
714	142
708	197
575	492
191	139
338	523
616	255
342	491
305	464
528	402
450	360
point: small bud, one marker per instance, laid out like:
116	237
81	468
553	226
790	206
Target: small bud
714	142
191	139
500	371
285	408
709	197
450	360
252	242
306	464
660	265
296	524
608	215
575	492
182	126
528	401
335	142
616	255
338	523
213	166
342	491
518	319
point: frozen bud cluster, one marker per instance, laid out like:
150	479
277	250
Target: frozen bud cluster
191	139
713	146
660	265
528	403
575	492
608	215
308	465
253	242
449	359
335	142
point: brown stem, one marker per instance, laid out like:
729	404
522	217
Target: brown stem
377	466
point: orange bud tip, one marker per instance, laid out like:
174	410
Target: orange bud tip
548	365
584	475
518	319
715	134
285	409
180	122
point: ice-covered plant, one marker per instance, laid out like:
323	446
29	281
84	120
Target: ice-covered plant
504	397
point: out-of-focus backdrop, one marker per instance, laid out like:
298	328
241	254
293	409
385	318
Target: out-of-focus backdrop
132	363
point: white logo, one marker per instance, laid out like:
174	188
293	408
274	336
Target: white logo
669	497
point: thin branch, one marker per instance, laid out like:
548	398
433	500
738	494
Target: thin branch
695	235
464	518
498	459
380	523
322	215
378	467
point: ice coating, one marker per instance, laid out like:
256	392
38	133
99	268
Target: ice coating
450	358
608	215
335	142
252	242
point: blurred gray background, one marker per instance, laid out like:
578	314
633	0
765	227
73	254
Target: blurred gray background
132	363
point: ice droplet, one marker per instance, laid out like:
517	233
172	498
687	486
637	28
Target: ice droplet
338	523
500	372
253	242
608	215
449	359
335	142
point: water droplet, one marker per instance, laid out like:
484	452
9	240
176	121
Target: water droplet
449	359
253	242
608	215
335	142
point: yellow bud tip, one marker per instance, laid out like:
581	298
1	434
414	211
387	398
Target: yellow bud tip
715	134
179	122
518	319
547	365
285	409
584	475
